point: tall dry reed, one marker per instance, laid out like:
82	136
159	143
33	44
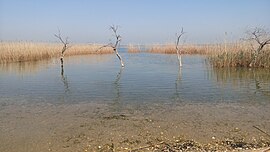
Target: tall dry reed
185	49
29	51
134	49
239	55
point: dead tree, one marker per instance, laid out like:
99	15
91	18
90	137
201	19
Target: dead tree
65	46
115	45
262	38
178	50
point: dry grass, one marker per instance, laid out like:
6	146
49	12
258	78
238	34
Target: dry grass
185	49
83	49
239	55
134	49
219	55
28	51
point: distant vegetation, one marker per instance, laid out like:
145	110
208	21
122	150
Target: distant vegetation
134	48
30	51
170	49
240	55
253	51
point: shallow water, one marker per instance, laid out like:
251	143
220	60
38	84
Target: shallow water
92	103
146	78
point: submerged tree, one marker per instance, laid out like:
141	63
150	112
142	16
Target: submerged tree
262	38
116	44
178	50
65	46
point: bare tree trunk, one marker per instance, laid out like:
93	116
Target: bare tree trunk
114	47
119	57
62	68
179	57
62	61
180	60
117	42
64	78
178	51
65	47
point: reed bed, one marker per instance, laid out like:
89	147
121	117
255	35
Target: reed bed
29	51
185	49
236	54
170	49
239	55
134	49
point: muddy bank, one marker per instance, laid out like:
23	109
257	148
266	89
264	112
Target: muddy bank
124	127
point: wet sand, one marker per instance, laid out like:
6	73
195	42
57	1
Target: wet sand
31	127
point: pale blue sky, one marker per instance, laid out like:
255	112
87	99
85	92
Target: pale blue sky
141	21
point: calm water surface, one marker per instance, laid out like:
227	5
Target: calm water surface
147	78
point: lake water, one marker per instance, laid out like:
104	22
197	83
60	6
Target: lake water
92	103
146	78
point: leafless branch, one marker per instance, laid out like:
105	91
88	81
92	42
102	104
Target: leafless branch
178	51
179	36
104	46
65	46
65	43
117	36
117	43
261	37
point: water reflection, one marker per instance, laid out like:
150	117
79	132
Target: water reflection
148	78
117	103
117	85
24	68
64	80
177	85
255	80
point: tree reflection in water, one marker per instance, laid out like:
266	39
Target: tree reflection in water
177	83
64	80
117	105
256	79
117	85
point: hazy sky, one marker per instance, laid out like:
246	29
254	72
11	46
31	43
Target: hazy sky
141	21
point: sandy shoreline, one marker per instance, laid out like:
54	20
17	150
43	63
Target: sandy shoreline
119	127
